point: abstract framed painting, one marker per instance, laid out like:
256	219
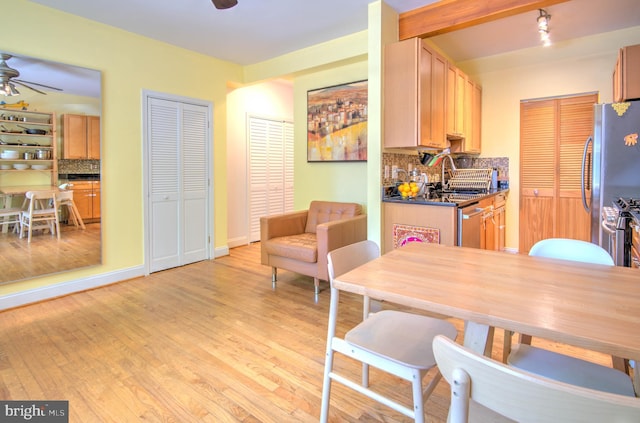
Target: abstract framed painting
337	123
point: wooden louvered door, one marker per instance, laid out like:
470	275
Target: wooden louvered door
552	136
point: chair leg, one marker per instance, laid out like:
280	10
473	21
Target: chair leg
418	402
316	286
506	346
76	216
328	364
274	277
366	310
620	363
525	339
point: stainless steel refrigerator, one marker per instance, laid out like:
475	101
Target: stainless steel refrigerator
613	153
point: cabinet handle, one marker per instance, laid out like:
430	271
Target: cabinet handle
535	192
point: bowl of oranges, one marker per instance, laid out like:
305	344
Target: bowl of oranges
409	190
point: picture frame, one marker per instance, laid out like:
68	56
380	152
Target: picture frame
337	123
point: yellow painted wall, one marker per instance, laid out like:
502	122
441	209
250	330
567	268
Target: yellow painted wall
577	66
129	64
332	181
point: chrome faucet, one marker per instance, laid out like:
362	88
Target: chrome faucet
406	175
452	166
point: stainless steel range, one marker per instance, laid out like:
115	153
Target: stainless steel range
627	218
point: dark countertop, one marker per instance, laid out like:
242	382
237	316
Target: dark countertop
446	199
79	176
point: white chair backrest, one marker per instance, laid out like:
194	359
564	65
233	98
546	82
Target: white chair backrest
343	259
521	396
40	199
571	249
64	196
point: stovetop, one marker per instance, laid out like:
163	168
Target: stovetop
629	206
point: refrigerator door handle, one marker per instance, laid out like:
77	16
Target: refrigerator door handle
582	176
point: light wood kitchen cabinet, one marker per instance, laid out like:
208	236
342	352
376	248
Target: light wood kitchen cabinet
493	229
488	225
476	119
86	195
464	112
499	217
456	85
626	78
414	95
81	136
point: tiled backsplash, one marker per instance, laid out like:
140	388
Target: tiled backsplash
410	161
90	167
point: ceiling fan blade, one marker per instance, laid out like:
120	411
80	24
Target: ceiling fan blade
224	4
15	81
35	83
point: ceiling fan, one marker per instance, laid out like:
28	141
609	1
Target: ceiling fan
8	81
224	4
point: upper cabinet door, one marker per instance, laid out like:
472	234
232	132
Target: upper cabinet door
81	136
414	96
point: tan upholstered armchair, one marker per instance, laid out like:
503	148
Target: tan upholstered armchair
299	241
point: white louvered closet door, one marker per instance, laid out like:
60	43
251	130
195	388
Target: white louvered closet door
270	170
178	183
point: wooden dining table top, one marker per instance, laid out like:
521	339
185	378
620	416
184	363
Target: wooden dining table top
21	189
591	306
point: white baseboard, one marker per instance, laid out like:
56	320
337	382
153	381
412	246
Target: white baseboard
69	287
238	242
220	252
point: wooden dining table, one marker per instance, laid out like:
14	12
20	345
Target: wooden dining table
591	306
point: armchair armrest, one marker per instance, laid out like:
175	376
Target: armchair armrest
336	234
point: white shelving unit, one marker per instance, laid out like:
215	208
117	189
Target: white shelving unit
14	137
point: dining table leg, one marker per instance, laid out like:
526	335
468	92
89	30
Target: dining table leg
6	203
478	337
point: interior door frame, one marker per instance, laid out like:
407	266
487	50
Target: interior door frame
146	96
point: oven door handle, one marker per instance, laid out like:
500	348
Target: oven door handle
611	230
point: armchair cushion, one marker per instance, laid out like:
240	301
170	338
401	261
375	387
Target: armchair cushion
302	247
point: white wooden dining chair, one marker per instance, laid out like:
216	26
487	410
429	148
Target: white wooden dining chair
486	390
396	342
10	216
41	212
559	366
65	199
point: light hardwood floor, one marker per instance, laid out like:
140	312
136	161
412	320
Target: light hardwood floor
207	342
46	254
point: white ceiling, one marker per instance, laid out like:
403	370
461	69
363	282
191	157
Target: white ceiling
257	30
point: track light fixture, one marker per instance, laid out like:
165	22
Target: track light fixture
543	27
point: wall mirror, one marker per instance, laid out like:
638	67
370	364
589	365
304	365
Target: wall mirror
50	134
